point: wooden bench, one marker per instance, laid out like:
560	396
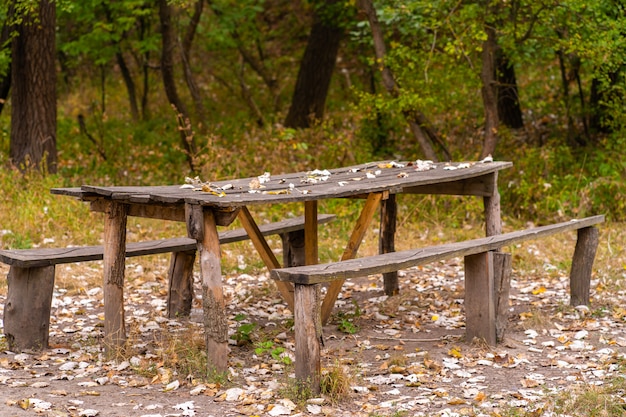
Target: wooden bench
31	275
487	273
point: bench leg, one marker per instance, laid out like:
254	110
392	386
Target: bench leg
180	294
502	287
582	263
386	240
479	298
27	308
307	328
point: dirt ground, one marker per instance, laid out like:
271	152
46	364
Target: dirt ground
404	355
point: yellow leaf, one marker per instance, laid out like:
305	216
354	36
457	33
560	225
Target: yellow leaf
539	290
24	403
480	397
455	352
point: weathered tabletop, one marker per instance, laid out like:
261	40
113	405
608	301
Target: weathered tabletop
205	206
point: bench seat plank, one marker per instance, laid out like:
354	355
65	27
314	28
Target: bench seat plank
30	258
389	262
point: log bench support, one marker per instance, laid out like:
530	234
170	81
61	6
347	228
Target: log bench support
486	298
32	271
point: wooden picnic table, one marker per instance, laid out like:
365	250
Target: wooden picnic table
221	202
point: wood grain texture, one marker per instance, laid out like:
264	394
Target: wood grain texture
180	291
307	323
310	233
386	241
502	286
479	302
113	289
582	265
213	303
394	261
26	324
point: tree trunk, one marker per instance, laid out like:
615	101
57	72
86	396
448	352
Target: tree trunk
490	103
33	116
130	85
418	122
192	85
169	83
509	110
316	70
5	81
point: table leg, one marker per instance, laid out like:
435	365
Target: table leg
493	221
386	242
202	227
367	214
311	254
115	217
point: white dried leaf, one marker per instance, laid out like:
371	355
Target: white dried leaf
172	386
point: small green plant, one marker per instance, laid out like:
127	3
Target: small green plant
243	334
347	320
276	352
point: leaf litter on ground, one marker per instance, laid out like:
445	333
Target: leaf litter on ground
408	354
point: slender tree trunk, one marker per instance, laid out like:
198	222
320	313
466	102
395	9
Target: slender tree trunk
130	85
316	70
418	122
34	111
169	83
490	103
201	113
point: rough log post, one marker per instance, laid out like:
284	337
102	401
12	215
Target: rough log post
479	298
293	248
307	321
386	242
202	227
493	221
114	263
502	278
582	263
180	294
310	233
27	307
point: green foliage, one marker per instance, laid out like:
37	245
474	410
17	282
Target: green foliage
277	353
243	333
347	321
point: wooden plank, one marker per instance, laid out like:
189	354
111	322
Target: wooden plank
113	289
479	298
394	261
363	222
268	257
582	263
150	211
479	186
26	258
386	241
26	324
307	337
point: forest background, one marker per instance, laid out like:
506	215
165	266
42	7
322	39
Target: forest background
141	92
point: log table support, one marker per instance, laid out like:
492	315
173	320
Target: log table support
180	293
386	243
201	225
114	262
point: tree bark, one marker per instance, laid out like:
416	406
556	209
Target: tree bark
167	72
34	111
490	103
316	70
5	81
